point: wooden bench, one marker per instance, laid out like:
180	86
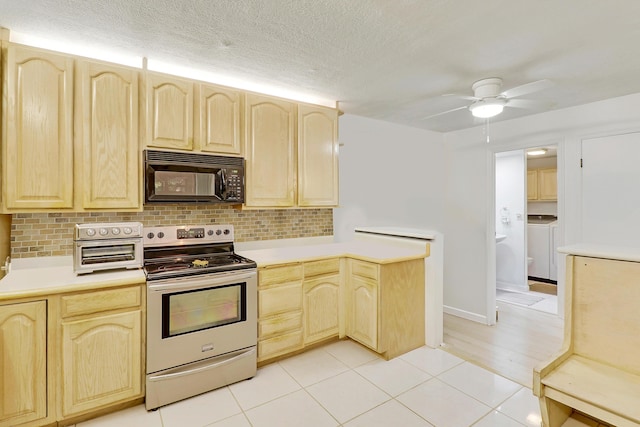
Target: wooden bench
598	369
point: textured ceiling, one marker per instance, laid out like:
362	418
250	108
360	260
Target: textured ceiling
385	59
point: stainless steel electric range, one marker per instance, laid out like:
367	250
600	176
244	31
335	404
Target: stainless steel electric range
201	312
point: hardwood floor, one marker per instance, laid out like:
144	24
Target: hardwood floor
520	340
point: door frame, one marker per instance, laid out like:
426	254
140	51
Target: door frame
492	150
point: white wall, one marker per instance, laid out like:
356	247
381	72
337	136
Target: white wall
469	222
510	219
396	175
389	175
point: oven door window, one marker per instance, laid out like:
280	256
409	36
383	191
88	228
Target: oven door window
199	309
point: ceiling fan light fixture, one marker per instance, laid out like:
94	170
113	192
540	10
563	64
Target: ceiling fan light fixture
485	109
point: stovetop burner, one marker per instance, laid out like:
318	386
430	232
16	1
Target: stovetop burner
185	251
193	265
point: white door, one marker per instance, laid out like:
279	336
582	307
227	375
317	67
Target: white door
610	190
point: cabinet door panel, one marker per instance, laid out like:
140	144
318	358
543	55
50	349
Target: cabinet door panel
317	156
548	184
274	275
23	368
279	299
321	308
218	120
107	132
100	361
364	316
270	170
279	345
276	325
532	185
168	118
38	154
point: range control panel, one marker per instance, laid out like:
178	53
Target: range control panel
187	235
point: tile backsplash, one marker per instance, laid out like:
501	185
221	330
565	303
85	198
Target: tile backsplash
51	234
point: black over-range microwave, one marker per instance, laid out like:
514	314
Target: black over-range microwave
192	178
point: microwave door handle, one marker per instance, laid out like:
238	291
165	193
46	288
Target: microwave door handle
223	183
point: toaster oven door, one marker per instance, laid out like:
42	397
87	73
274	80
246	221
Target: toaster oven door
96	255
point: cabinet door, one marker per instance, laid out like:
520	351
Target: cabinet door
270	168
321	298
532	184
23	365
547	184
364	311
317	156
38	151
100	361
107	137
168	112
217	118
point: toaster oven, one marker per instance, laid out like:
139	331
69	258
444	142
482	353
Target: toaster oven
107	246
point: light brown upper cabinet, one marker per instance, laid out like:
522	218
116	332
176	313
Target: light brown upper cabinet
217	119
547	184
167	112
317	156
270	152
37	151
290	164
106	151
542	184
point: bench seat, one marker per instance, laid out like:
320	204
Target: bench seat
607	393
597	371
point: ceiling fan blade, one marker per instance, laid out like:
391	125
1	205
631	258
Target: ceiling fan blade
467	97
445	112
527	88
529	103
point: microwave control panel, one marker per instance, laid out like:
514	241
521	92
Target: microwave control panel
234	185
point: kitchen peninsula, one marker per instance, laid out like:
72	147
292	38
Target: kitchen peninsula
372	293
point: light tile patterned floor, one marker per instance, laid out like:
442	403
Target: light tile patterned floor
344	384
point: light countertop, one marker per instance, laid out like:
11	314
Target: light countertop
366	251
34	277
593	250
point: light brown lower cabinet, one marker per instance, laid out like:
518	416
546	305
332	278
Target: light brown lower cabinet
321	300
100	349
70	355
100	361
23	363
385	305
279	311
379	305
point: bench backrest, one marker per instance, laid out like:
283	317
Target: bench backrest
603	310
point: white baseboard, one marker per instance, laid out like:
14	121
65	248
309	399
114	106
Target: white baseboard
466	315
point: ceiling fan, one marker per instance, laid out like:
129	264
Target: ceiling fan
489	101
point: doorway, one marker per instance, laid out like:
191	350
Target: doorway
526	221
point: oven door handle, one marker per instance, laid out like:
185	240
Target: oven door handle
195	281
202	368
